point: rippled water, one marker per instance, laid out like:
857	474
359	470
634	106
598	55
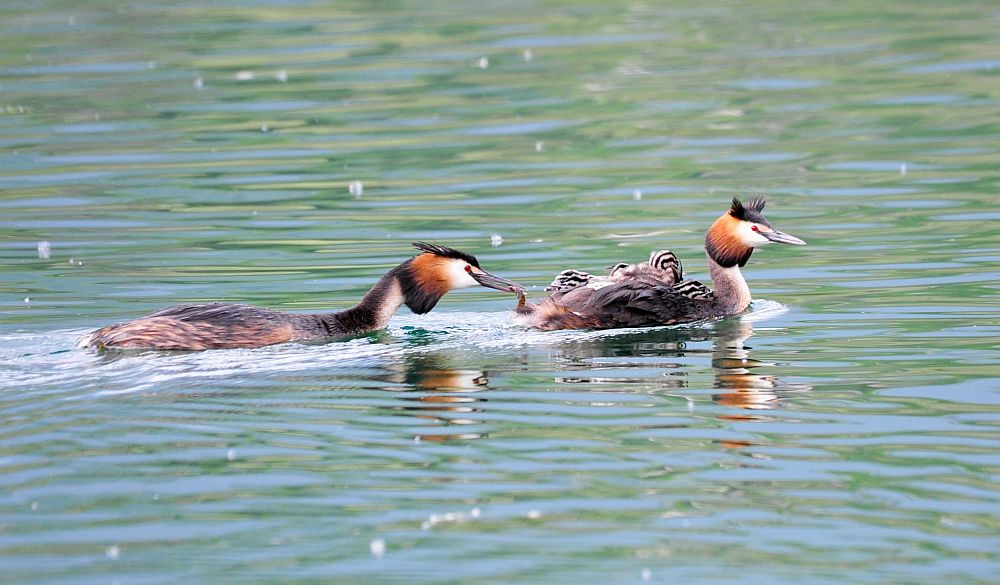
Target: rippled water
845	430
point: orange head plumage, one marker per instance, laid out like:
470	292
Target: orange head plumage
732	238
426	277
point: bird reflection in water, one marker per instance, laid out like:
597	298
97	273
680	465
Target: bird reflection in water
439	394
736	383
447	397
735	379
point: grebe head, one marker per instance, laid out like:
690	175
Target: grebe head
568	279
426	277
732	237
615	269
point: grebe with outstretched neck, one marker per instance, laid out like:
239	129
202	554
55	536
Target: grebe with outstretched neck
418	283
653	293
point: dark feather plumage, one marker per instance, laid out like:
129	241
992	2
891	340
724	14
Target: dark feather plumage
752	210
625	304
446	252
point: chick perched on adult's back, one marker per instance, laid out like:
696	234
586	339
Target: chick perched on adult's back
654	292
418	283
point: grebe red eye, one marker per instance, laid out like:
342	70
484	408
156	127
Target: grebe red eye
468	268
755	228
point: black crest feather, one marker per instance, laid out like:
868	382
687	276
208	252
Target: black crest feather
446	252
752	210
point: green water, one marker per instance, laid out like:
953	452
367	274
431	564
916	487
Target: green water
843	431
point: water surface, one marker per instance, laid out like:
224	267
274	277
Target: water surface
843	431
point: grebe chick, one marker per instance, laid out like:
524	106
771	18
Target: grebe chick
633	296
418	283
663	267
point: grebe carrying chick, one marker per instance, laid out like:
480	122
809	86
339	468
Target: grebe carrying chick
418	283
653	293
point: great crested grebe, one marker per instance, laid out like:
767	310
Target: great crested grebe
653	293
418	283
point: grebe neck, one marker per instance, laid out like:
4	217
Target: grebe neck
373	312
732	295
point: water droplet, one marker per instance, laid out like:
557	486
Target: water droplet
44	250
34	506
377	546
27	299
356	188
539	146
231	454
902	169
496	240
244	75
527	54
265	128
534	514
199	83
637	195
475	513
483	62
282	76
113	552
647	575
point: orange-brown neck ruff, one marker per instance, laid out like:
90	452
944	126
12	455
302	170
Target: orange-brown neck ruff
723	244
424	280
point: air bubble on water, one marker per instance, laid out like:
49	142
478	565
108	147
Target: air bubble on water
265	128
231	455
113	552
199	83
356	188
637	195
244	75
377	547
647	575
527	54
483	62
435	519
534	514
496	240
282	76
44	250
27	299
539	146
902	169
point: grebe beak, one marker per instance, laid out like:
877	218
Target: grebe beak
782	238
495	282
